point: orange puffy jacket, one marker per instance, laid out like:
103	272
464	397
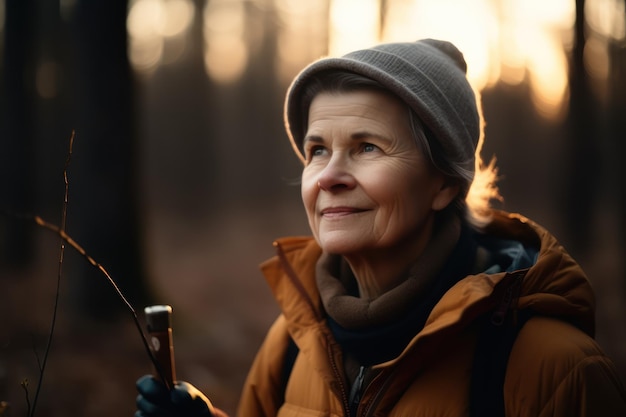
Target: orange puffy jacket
555	367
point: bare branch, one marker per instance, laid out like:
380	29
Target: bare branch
66	239
42	367
24	385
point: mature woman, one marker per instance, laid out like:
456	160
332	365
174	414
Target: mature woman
412	296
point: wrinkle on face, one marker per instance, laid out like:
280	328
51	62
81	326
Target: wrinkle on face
361	154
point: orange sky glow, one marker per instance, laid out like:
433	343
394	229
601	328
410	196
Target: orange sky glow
504	41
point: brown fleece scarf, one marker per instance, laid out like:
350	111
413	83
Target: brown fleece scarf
351	312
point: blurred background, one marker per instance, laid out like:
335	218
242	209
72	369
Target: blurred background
181	175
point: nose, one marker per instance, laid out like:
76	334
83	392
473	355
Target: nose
336	175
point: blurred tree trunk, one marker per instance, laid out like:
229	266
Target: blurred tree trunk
582	153
17	132
617	127
104	209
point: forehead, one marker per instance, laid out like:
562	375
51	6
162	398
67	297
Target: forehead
376	106
360	115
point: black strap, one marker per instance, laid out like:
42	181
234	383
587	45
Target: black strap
290	359
491	357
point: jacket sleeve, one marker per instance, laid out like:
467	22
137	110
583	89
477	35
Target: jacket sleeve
602	393
556	370
262	393
591	389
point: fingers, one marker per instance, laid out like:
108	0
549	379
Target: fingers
153	390
153	399
188	398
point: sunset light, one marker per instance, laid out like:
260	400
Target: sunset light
225	50
505	41
297	167
607	18
303	34
151	25
510	42
354	24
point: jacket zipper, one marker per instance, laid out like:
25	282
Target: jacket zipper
344	397
357	391
382	388
296	282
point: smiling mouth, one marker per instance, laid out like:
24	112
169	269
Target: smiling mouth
340	211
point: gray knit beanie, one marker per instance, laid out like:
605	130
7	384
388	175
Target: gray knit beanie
429	75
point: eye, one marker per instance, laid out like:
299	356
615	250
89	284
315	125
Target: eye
318	150
368	147
314	151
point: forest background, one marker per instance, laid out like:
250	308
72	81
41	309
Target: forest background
181	175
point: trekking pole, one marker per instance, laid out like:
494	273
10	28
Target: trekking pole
159	323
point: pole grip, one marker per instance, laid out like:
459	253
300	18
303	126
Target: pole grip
159	323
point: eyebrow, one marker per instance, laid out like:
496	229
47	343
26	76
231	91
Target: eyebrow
355	136
312	138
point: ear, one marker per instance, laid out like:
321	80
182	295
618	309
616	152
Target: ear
445	195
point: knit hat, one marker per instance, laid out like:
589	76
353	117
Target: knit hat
429	75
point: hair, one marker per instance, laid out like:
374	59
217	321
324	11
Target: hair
477	187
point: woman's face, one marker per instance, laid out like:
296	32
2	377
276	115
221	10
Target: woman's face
366	186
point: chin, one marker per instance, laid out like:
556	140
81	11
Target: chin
339	246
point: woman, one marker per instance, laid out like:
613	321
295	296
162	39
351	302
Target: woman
389	308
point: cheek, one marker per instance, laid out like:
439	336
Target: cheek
308	193
395	212
405	201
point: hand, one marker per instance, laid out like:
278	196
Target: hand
155	400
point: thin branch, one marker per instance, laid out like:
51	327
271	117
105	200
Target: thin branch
24	385
59	275
34	341
68	239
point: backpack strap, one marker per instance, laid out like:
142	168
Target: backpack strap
290	358
496	337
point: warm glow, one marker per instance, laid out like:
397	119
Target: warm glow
512	55
302	35
354	24
534	13
547	67
225	49
533	36
606	17
178	17
225	60
596	58
145	54
152	23
145	43
597	64
145	19
506	41
469	25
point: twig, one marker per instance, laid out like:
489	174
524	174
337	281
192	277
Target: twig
66	239
42	368
24	385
